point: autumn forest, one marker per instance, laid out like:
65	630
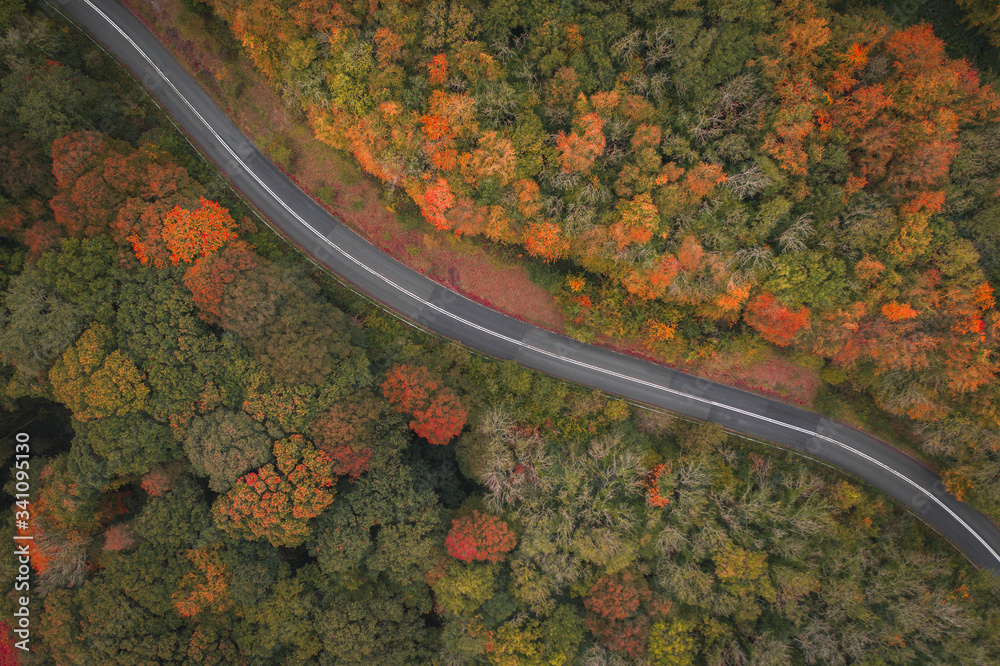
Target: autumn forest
236	460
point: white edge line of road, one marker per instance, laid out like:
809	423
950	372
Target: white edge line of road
519	343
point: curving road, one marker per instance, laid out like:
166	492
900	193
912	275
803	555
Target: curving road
432	306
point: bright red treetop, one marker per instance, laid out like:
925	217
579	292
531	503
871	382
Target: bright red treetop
438	415
480	536
442	421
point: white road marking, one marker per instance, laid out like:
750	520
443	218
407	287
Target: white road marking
519	343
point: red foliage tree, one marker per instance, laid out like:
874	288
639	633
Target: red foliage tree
157	481
42	236
616	615
438	415
339	431
348	460
617	597
9	653
76	153
442	420
11	218
773	321
118	537
105	184
229	289
86	201
408	388
480	536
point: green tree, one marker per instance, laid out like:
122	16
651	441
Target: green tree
126	615
132	444
48	100
223	444
283	626
373	625
158	326
254	568
699	437
177	520
36	325
465	587
984	16
85	273
387	524
555	640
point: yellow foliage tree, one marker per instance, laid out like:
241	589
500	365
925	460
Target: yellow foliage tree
671	644
94	383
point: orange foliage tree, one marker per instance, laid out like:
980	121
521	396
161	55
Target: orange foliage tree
545	240
95	381
902	132
192	234
639	218
437	199
894	311
437	70
277	501
775	322
206	588
580	149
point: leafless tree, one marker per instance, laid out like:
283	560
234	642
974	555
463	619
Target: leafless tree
627	47
749	182
793	239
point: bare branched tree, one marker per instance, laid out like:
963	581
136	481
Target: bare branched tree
793	239
749	182
627	47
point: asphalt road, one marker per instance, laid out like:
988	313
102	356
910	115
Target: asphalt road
432	306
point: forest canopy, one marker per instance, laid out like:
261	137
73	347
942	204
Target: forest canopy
710	177
243	462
